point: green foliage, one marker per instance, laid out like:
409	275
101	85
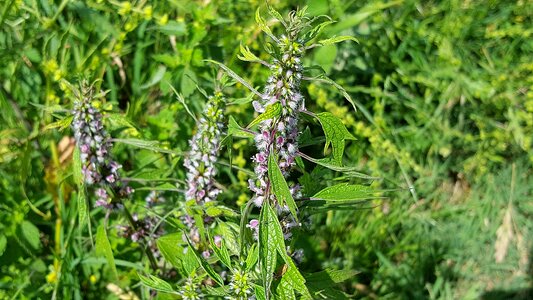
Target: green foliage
427	107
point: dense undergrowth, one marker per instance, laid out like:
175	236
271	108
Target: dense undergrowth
444	123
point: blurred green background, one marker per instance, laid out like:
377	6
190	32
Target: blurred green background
445	90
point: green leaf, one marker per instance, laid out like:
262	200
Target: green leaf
247	55
324	79
271	111
280	188
76	167
285	290
3	243
253	256
349	171
61	124
324	284
205	265
156	283
260	292
336	133
215	211
149	145
311	34
169	246
268	243
174	28
156	77
30	234
83	210
162	187
262	24
235	129
188	82
274	13
234	75
221	252
343	192
337	39
103	248
293	277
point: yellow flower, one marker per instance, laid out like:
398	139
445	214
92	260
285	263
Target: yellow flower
51	277
125	8
163	20
147	12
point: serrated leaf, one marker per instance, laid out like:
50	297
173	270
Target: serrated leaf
337	39
235	129
343	192
280	188
271	111
336	133
204	264
268	239
293	277
61	124
156	283
162	187
103	248
284	290
148	145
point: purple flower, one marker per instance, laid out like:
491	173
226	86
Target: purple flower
98	168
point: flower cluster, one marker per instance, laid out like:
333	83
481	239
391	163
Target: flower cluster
205	146
98	168
240	287
200	164
146	229
279	135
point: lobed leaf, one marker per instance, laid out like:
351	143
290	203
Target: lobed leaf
336	133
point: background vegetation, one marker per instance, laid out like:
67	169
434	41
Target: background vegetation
445	96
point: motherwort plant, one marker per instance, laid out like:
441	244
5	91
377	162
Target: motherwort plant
200	166
94	143
100	171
